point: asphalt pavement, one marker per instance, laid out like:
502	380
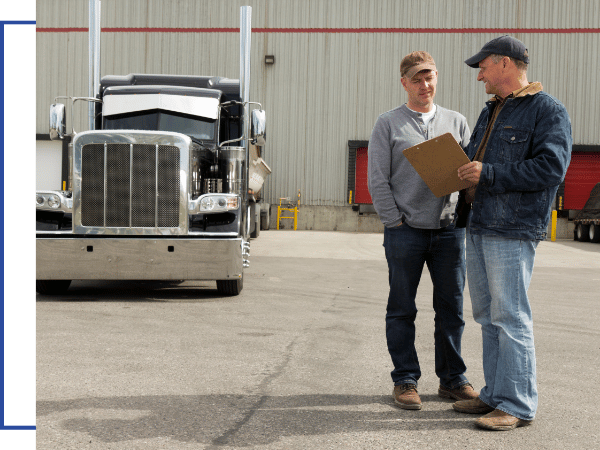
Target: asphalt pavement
298	360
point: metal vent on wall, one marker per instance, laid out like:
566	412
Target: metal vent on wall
130	185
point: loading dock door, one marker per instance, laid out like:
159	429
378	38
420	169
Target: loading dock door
582	176
361	182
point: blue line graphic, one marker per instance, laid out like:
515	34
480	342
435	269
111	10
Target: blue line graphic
2	426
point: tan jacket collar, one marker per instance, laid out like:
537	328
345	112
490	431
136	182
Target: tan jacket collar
530	89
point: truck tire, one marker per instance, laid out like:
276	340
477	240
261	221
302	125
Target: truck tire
230	287
52	287
255	229
265	220
582	233
255	220
594	233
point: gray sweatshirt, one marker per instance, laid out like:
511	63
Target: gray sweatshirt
398	192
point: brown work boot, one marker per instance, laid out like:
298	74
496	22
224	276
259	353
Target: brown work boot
473	406
500	421
464	392
406	396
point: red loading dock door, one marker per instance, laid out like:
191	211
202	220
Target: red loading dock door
582	176
361	194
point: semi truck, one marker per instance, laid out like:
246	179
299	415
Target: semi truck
587	220
163	186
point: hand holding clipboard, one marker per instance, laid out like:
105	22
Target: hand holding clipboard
437	161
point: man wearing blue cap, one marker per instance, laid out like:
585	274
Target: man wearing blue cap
520	150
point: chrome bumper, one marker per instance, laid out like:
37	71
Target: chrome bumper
138	259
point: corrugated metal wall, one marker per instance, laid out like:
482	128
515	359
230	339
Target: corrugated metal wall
334	74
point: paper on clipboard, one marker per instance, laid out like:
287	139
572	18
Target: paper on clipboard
437	161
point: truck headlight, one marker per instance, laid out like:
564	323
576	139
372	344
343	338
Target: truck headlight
207	204
53	201
215	203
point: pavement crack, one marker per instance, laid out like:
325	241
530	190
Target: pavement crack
227	437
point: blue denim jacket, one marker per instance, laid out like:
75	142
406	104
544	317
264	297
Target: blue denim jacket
526	159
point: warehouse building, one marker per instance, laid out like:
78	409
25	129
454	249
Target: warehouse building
324	71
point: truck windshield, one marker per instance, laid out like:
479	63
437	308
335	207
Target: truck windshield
158	120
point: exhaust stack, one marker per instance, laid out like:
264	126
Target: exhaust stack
245	41
94	58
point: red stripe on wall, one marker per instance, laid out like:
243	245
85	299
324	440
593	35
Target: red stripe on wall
335	30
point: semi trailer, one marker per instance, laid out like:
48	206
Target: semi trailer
587	220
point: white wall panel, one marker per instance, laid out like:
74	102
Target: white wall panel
48	162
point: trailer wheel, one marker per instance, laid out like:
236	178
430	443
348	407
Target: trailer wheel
230	287
594	233
52	287
582	232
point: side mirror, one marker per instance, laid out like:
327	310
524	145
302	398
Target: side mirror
257	127
57	121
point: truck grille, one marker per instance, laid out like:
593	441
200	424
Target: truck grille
130	185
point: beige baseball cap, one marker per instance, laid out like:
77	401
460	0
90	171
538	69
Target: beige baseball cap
415	62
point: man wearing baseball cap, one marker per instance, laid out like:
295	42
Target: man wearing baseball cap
520	150
419	229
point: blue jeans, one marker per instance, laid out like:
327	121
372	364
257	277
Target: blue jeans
499	272
407	250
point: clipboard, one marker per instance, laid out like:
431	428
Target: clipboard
437	161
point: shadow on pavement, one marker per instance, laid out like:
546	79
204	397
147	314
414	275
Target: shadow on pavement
139	291
241	420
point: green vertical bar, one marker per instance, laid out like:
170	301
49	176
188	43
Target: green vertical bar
19	187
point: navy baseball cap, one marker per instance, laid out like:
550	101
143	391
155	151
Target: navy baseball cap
503	45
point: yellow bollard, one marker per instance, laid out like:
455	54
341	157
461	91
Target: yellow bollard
553	229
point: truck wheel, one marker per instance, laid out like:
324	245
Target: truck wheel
583	232
255	229
52	287
230	287
254	217
265	220
594	233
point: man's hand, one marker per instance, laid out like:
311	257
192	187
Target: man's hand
470	172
